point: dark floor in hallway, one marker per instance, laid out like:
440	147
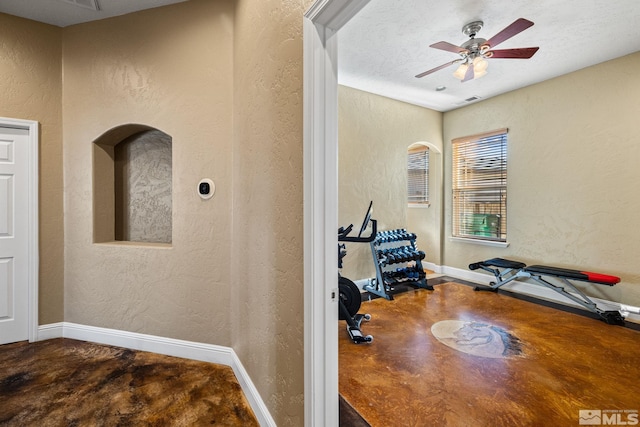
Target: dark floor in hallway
556	364
64	382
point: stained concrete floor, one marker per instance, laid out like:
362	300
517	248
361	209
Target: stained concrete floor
64	382
565	363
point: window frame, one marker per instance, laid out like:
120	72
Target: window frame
480	189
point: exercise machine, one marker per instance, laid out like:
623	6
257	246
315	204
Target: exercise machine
349	295
554	278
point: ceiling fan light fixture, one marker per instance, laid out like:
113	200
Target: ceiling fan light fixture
480	65
461	71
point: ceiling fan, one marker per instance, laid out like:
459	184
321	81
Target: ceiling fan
475	51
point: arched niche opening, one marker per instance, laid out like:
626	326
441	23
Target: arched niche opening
132	185
426	219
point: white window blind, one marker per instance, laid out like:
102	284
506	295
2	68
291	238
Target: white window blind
480	186
418	175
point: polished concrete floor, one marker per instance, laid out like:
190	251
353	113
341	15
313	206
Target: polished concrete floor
64	382
552	364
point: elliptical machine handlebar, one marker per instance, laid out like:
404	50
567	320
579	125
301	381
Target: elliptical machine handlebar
374	231
343	234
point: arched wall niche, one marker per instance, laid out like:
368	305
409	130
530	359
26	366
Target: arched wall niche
132	185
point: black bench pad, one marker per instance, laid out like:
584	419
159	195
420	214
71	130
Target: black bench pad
497	262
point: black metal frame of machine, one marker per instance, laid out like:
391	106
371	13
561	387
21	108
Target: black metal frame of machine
349	295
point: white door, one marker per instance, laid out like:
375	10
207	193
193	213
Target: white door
14	239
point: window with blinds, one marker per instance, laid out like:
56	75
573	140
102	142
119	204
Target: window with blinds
480	186
418	175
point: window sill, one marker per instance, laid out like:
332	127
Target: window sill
419	205
480	242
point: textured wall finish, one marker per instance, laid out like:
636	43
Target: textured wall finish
234	273
374	134
31	88
175	69
268	297
573	174
143	188
168	68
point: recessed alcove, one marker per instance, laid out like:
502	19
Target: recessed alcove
132	185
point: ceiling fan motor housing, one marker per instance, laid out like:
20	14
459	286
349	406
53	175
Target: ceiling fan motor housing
472	28
473	45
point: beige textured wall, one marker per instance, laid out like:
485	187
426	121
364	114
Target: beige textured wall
234	274
374	134
267	245
169	68
30	88
573	158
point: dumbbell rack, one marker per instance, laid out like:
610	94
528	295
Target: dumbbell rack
397	261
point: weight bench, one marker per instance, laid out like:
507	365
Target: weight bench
554	278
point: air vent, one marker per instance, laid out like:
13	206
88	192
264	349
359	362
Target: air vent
473	98
87	4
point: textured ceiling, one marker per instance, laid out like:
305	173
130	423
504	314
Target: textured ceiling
387	43
62	13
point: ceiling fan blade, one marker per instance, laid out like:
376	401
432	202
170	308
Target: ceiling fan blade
520	53
433	70
516	27
449	47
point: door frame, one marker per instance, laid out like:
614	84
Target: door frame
32	212
320	24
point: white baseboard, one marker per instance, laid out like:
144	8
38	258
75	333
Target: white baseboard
50	331
360	283
433	267
468	275
167	346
